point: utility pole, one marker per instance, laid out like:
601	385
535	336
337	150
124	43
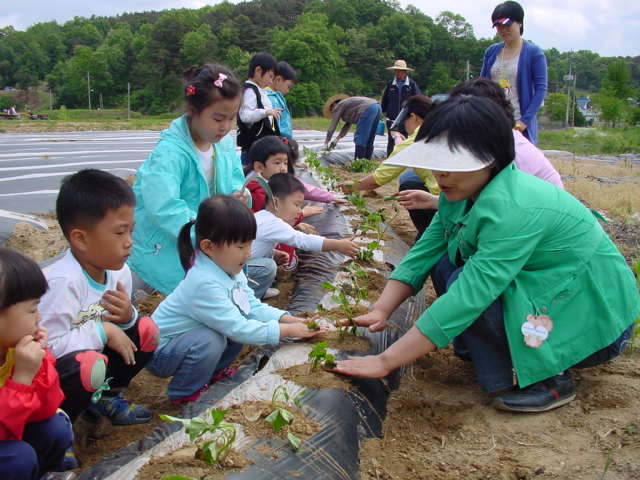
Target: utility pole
573	104
128	100
468	71
50	100
89	90
568	78
101	105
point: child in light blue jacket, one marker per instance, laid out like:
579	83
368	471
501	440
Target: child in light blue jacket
194	159
212	312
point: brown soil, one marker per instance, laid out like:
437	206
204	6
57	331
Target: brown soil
318	379
148	304
440	426
251	415
347	342
184	462
285	282
35	243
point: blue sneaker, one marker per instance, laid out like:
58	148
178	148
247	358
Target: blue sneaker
118	410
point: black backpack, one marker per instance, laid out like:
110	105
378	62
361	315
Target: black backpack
250	132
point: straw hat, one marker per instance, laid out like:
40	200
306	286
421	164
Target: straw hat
400	65
326	110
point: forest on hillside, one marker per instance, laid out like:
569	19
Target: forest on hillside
335	45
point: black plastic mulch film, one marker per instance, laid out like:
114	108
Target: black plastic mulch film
345	417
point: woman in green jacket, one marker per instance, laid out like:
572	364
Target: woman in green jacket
529	283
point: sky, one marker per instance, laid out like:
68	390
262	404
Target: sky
608	27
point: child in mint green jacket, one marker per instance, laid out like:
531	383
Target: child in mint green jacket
283	82
194	159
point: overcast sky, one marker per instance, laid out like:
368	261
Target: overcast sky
608	27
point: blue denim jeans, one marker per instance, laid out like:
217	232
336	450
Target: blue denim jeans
191	359
484	342
261	272
41	449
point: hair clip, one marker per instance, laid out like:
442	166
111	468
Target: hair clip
190	90
221	78
284	140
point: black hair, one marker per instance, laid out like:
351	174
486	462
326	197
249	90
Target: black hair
200	90
509	9
20	279
86	197
474	123
284	184
421	105
262	149
286	71
294	154
263	60
485	87
221	219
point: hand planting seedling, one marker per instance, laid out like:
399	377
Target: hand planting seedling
281	416
390	197
313	325
223	434
319	358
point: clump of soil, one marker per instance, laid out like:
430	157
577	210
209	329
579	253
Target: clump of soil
318	379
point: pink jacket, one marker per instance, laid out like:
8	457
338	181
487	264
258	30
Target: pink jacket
317	194
530	159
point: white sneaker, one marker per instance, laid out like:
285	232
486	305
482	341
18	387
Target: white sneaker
270	293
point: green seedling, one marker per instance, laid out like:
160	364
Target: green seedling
281	416
390	198
358	202
223	434
311	158
362	165
319	358
313	325
341	294
177	477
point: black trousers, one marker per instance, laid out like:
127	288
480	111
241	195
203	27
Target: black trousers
421	218
84	371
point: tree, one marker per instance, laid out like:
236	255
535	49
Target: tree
199	46
440	81
455	24
555	106
611	108
617	83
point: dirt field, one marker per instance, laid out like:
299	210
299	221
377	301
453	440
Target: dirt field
439	424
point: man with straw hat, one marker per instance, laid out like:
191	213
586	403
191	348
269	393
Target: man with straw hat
394	95
363	111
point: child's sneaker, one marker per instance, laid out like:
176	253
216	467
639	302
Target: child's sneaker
59	476
190	398
270	293
69	462
221	374
119	411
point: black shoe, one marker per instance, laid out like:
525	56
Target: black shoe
539	397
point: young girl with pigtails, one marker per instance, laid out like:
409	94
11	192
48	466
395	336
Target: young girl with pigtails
213	312
194	159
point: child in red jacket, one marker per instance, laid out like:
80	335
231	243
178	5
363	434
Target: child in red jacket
34	436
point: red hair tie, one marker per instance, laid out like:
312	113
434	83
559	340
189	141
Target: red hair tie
190	90
285	140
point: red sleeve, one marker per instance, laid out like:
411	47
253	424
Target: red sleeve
258	196
21	404
299	219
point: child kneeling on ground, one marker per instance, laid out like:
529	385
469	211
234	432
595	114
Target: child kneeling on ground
284	204
212	312
94	331
34	433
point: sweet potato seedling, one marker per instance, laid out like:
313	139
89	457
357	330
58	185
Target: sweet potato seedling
281	416
319	358
223	434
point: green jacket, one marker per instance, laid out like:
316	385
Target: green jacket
169	187
541	250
